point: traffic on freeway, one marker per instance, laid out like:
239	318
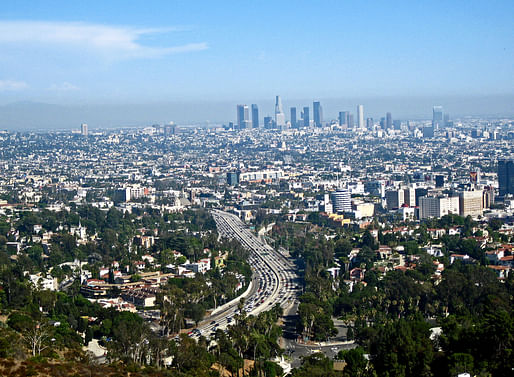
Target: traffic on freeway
274	278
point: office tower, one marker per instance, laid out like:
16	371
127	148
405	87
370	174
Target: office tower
343	118
394	199
233	178
242	116
350	121
83	129
306	119
369	123
389	121
397	124
255	116
341	200
293	117
268	122
428	131
506	176
317	113
360	116
170	129
432	206
471	203
383	123
409	196
446	120
375	188
280	118
488	197
439	181
437	117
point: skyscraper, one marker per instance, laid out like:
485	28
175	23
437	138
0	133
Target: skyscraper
242	116
506	176
268	122
280	118
341	200
428	131
343	118
350	121
317	113
369	124
360	116
83	129
389	121
255	116
306	118
437	117
293	117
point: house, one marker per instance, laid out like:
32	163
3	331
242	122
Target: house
144	241
334	272
144	297
507	261
46	283
501	271
219	261
494	256
439	268
149	258
202	266
460	257
357	274
436	232
454	231
384	251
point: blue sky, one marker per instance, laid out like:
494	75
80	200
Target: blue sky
70	52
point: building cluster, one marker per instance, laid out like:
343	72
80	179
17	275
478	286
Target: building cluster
344	172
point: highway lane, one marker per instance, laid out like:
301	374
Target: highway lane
274	276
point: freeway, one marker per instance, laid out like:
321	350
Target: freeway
274	277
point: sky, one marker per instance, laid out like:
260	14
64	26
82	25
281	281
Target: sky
110	54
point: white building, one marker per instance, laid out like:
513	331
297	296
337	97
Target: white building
49	283
437	206
341	200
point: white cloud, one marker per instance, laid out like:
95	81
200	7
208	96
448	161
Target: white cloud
12	85
63	87
116	41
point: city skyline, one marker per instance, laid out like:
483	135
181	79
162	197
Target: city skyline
26	115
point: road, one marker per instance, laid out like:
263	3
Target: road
274	277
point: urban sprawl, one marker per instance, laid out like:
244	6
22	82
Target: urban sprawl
311	232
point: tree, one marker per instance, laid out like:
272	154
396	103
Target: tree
355	361
460	363
37	338
403	348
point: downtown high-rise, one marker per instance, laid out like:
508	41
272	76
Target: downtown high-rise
293	117
360	117
255	116
317	113
242	117
437	117
506	176
306	117
280	118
